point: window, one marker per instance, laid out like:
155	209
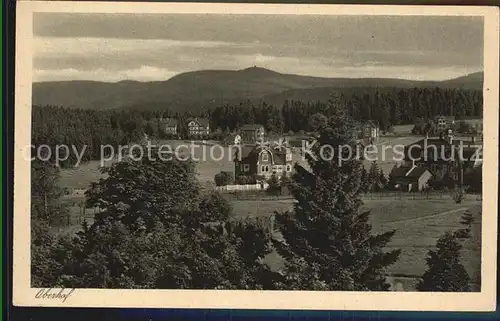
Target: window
455	176
267	168
246	167
288	168
265	157
263	169
288	157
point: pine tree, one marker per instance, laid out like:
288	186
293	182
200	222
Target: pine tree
373	176
383	180
445	273
365	180
466	220
328	244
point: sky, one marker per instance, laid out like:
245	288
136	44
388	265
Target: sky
152	47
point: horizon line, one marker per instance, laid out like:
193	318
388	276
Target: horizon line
251	67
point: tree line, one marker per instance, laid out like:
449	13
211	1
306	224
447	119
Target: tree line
54	125
386	106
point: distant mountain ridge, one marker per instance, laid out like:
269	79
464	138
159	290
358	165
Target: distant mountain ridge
206	89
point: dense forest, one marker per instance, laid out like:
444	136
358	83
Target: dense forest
92	128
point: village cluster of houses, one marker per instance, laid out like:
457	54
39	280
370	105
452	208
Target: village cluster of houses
424	160
436	159
195	126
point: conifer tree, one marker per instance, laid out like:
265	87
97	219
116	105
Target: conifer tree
374	176
382	180
328	243
445	272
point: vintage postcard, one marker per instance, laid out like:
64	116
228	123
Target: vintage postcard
259	156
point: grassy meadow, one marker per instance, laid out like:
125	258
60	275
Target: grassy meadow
418	225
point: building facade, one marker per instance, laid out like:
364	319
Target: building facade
251	133
198	127
169	126
370	132
252	160
444	157
443	123
410	178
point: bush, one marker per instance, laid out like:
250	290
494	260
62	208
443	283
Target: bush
244	180
274	185
458	196
224	178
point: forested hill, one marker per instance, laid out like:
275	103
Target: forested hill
204	90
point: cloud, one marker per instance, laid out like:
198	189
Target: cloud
144	73
347	51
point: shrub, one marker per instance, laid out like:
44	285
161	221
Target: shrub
224	178
244	180
458	196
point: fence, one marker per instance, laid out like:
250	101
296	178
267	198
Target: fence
415	195
247	187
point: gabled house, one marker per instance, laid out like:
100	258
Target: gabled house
409	179
258	160
198	127
444	156
233	139
168	125
444	122
251	133
370	132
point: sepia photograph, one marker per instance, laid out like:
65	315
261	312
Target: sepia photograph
259	156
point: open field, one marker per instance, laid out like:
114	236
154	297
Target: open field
209	161
403	129
418	225
208	166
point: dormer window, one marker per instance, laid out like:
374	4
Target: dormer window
265	157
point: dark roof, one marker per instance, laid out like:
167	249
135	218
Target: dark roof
200	121
407	172
445	117
250	152
169	121
251	127
247	150
399	171
370	123
279	157
416	172
469	153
